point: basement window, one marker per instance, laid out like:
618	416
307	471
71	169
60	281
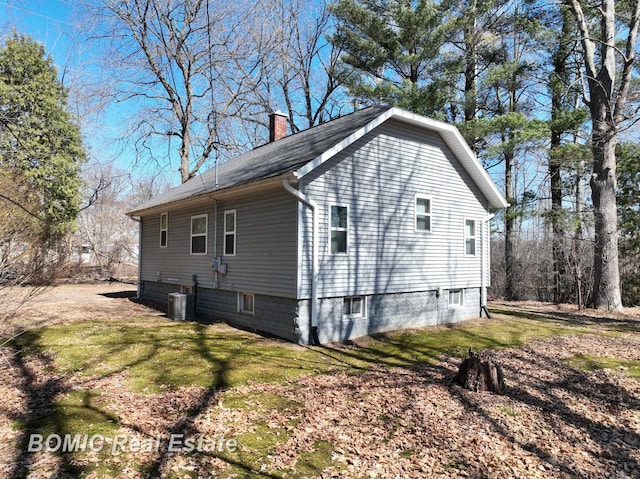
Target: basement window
354	307
456	299
246	302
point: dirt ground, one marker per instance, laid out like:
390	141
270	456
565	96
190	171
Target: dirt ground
72	302
554	420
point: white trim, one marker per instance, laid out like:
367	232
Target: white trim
455	305
166	230
205	234
363	312
474	237
449	134
315	264
241	309
331	229
417	197
225	232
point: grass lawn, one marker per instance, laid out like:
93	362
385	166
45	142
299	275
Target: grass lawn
217	373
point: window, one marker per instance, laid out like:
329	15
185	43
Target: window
470	237
455	298
423	213
245	303
230	233
353	307
199	234
339	215
164	228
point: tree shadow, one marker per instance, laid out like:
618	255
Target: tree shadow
40	398
125	294
595	393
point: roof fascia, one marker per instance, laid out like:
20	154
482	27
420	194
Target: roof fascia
449	133
224	193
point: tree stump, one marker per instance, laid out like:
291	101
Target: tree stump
478	372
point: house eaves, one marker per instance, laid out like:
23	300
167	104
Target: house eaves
300	153
449	133
272	160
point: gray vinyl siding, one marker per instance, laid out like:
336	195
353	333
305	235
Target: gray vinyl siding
266	245
377	178
175	264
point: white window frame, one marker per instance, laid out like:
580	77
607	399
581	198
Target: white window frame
474	237
459	304
363	310
230	232
165	230
416	214
241	297
332	229
205	234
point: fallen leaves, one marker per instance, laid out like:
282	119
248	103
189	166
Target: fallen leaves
554	420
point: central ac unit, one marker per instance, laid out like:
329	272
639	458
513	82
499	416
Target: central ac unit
180	306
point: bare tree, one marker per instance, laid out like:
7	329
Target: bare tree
108	239
300	68
186	65
609	75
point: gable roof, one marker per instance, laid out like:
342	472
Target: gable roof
302	152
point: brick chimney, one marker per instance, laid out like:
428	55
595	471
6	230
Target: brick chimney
277	125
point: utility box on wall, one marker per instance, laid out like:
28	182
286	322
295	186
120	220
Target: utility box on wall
181	306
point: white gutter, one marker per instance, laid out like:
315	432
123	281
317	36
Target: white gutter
484	260
314	256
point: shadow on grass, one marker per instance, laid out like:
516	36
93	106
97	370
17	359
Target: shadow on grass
557	400
215	361
178	354
40	397
572	318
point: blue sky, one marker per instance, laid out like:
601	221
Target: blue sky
44	20
50	22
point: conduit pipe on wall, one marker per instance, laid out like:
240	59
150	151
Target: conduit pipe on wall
483	266
313	206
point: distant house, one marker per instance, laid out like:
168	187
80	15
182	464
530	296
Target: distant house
372	222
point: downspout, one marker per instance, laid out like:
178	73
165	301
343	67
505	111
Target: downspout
313	206
483	265
216	283
139	288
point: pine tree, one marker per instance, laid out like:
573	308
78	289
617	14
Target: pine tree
393	49
628	155
40	145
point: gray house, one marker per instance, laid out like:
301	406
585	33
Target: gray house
376	221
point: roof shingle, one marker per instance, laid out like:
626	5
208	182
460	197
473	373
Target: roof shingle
269	160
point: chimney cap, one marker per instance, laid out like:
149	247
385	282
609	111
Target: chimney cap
280	113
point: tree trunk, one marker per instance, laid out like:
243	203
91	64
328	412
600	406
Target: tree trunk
557	82
478	372
471	74
511	288
606	289
607	103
